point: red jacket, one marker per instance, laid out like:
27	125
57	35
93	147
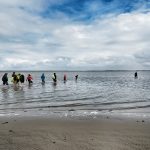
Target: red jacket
29	78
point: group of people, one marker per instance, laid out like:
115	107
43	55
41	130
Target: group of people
54	78
16	78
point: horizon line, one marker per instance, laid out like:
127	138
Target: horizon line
75	70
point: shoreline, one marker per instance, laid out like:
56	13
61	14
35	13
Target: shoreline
73	115
30	133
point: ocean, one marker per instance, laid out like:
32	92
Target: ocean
95	93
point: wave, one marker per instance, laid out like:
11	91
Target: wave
77	105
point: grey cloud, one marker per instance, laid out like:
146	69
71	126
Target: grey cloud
143	58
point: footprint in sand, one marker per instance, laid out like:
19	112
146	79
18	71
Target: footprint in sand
4	122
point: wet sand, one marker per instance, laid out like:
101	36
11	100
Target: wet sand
52	134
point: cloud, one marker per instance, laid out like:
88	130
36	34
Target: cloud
143	58
92	36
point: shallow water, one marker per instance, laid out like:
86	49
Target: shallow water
104	92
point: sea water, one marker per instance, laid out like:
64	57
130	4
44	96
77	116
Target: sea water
94	93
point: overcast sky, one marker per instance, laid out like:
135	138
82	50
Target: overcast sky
74	34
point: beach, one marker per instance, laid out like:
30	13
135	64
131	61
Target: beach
74	75
38	133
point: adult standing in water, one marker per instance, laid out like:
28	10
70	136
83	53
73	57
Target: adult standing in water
13	77
16	79
29	79
5	79
54	77
43	78
76	77
135	75
21	78
65	78
13	74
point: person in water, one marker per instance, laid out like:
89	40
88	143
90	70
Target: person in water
21	78
29	79
65	78
135	75
13	74
54	77
5	79
76	77
43	78
15	79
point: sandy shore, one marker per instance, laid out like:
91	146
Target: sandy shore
50	134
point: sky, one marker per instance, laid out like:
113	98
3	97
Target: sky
74	34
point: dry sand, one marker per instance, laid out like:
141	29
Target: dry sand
49	134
